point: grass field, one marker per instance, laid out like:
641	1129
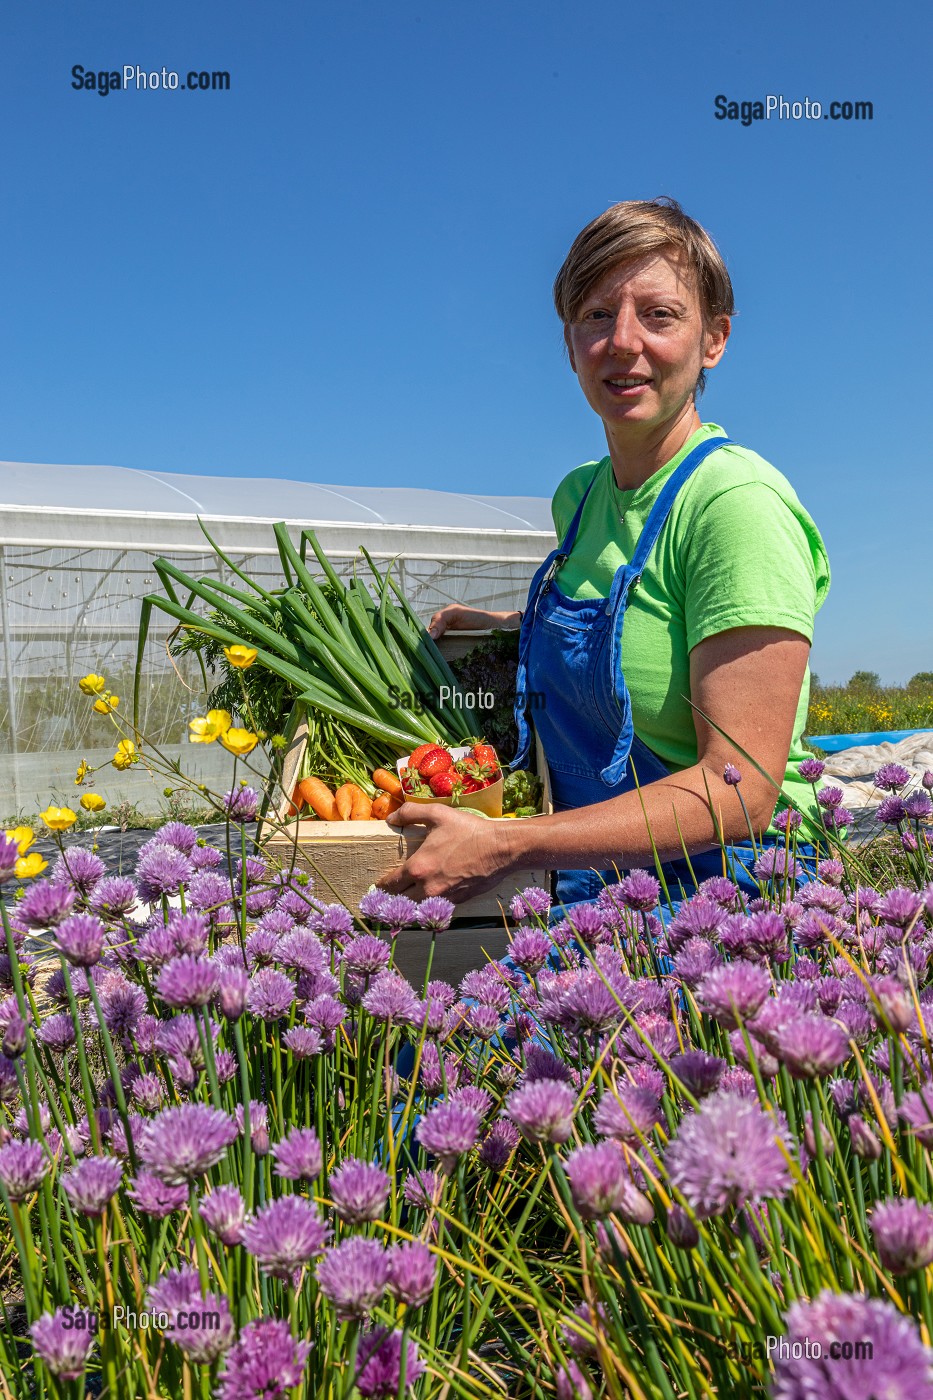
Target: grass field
865	706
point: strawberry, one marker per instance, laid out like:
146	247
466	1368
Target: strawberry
444	784
411	782
486	754
483	773
415	758
436	760
472	785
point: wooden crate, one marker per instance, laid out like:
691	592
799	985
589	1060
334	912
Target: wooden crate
346	859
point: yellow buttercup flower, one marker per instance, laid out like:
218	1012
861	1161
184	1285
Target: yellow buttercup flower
125	756
23	836
92	684
83	769
210	727
240	657
239	741
106	703
93	802
59	818
28	867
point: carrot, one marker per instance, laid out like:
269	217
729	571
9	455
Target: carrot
362	808
385	803
344	800
295	802
389	782
319	797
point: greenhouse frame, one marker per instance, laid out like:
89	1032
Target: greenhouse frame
77	545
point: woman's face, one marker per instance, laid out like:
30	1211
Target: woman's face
638	344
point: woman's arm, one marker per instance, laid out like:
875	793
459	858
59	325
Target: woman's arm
747	679
457	617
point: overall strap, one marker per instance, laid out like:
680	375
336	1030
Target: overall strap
661	509
539	584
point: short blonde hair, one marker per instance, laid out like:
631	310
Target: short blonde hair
632	230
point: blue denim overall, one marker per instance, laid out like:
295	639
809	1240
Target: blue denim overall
570	654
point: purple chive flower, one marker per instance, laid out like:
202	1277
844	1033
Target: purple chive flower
731	775
91	1183
271	994
80	937
498	1145
420	1188
241	804
628	1113
864	1142
398	911
122	1004
206	858
303	1042
15	1034
258	1125
811	770
829	797
891	776
359	1190
302	951
204	1347
154	1197
189	932
903	1231
372	905
412	1271
232	989
897	1366
298	1157
391	999
542	1111
61	1343
447	1130
325	1014
695	959
156	946
891	811
354	1276
700	918
775	863
44	905
727	1153
810	1046
187	981
599	1181
530	949
267	1361
23	1166
916	1110
787	820
918	806
681	1230
532	902
208	890
900	907
147	1092
366	954
435	913
380	1365
588	922
162	870
699	1072
224	1212
483	1022
9	855
79	868
184	1142
262	947
638	890
178	834
734	992
285	1235
57	1032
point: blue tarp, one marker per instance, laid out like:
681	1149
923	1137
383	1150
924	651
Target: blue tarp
834	743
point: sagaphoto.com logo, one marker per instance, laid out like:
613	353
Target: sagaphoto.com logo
132	78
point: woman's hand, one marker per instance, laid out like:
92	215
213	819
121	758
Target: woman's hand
462	855
456	617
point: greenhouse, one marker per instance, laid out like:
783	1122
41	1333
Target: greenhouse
76	551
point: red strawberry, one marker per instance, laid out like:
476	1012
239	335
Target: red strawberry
486	754
444	784
472	785
411	783
483	773
436	760
415	758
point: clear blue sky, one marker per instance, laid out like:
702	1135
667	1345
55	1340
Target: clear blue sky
340	269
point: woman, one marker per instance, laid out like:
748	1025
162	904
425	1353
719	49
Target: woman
678	609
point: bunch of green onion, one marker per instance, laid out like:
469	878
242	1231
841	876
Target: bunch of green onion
353	660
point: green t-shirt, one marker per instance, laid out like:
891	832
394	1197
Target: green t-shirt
738	550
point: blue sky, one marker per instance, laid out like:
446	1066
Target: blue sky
340	269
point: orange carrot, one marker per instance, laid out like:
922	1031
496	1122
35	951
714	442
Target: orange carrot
295	802
385	803
319	797
389	782
343	797
362	808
